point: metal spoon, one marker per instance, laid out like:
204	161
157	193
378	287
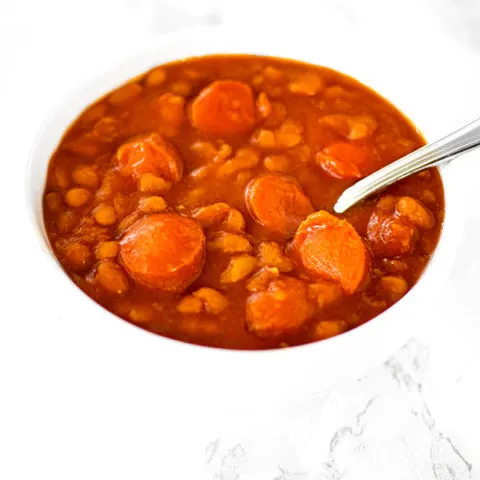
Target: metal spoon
447	148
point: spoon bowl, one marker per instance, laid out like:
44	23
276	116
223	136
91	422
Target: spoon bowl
433	154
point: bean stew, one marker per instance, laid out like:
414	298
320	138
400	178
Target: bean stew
197	200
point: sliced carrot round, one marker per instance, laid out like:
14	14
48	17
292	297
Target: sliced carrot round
150	154
279	310
278	203
224	107
164	251
330	248
344	160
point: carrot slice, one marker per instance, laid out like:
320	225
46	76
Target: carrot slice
224	107
344	160
278	203
330	248
164	251
150	154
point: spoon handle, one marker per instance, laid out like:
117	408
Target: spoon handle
461	141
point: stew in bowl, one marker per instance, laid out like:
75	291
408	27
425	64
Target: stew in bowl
196	201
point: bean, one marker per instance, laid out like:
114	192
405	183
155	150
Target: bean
270	254
111	278
94	113
106	250
125	94
260	281
156	77
54	202
395	286
181	87
226	242
329	328
152	204
416	213
272	73
61	177
77	197
66	221
264	138
85	175
105	215
288	134
149	183
238	268
190	304
234	221
307	84
211	214
214	301
141	314
276	163
324	293
77	256
264	106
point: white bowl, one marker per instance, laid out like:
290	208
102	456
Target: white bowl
299	370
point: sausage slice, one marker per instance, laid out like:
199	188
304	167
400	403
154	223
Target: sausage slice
224	107
150	154
393	227
278	203
164	251
330	248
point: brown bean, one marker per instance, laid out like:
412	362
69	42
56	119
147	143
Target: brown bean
276	163
54	202
181	87
141	314
324	293
61	177
329	328
238	268
394	286
77	197
307	84
264	106
107	250
190	304
124	94
260	281
214	301
270	254
155	77
111	278
226	242
152	204
149	183
415	212
85	175
104	214
234	221
76	255
211	214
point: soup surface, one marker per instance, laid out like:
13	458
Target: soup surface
196	202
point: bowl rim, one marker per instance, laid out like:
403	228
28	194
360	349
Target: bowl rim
450	232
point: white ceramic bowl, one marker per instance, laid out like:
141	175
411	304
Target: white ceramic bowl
306	369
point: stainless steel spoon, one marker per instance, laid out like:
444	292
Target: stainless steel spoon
447	148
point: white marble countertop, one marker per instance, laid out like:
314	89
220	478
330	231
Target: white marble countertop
414	417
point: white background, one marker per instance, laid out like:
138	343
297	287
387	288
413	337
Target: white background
421	409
